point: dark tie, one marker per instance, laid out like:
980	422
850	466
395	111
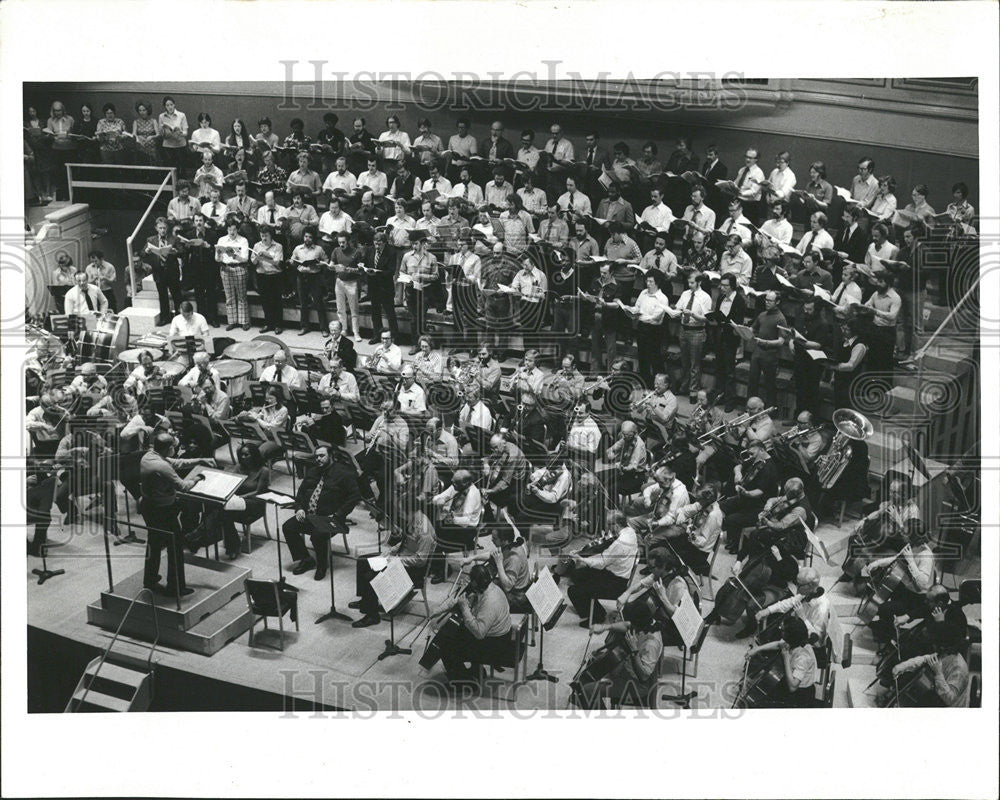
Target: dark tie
808	241
434	185
571	196
590	157
272	216
691	300
743	177
86	296
465	192
658	262
839	292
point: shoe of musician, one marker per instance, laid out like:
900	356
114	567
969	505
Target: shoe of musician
584	623
303	566
304	331
744	633
320	572
366	621
246	327
374	340
232	555
279	331
436	579
355	604
265	329
712	618
232	327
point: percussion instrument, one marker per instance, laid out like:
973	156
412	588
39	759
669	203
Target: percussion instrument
229	368
131	357
108	338
256	352
172	369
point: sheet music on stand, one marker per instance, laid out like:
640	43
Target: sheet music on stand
817	544
546	599
217	486
280	500
688	621
392	585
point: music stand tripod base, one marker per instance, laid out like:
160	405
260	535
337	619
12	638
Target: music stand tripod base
44	574
391	648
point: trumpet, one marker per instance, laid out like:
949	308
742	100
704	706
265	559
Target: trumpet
645	401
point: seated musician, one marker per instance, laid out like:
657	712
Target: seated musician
475	413
243	507
43	419
410	397
326	426
799	666
483	634
510	558
272	416
566	384
210	400
388	442
427	362
121	405
628	455
328	490
754	480
698	526
443	445
280	371
948	668
201	369
387	359
145	423
703	418
528	377
807	442
458	510
604	575
485	370
505	471
813	606
340	346
84	297
657	409
914	627
414	550
670	579
884	531
584	436
657	509
88	383
542	502
917	557
338	384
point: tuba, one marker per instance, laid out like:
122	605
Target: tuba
851	426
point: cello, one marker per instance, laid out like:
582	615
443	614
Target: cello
756	691
882	588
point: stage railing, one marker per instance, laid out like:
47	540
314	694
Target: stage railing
172	178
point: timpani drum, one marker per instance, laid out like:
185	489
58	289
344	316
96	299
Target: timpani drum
256	352
172	369
108	338
234	372
131	357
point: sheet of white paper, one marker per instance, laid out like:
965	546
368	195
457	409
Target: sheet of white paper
544	595
392	585
688	621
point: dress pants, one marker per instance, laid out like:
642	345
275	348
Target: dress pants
416	302
594	584
692	348
206	297
807	377
883	345
764	364
347	305
648	344
295	531
725	369
459	646
234	284
383	299
603	343
310	286
163	530
270	288
169	289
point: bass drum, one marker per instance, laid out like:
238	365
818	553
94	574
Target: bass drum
108	338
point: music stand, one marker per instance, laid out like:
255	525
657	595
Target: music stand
692	629
390	588
547	605
325	525
309	363
44	573
278	500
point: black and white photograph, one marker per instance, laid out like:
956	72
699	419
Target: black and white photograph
342	395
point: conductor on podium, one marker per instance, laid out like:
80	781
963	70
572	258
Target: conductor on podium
159	484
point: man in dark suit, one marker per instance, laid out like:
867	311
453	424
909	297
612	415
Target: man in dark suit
495	148
596	158
381	289
853	236
166	270
714	170
329	490
340	345
202	270
730	306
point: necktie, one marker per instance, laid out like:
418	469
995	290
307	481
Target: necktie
571	196
729	224
314	497
465	191
808	241
590	157
839	292
86	296
657	262
434	185
272	216
690	300
743	177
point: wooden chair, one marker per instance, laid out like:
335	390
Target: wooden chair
268	599
518	655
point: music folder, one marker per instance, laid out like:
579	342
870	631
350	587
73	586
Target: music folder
546	600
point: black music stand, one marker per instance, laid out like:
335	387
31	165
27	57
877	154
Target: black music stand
324	525
391	648
309	363
278	500
44	573
540	673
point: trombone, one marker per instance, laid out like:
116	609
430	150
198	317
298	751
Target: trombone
743	419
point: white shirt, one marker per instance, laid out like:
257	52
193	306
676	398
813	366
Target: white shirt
215	212
562	150
815	240
75	301
703	217
197	326
887	251
700	302
288	376
651	307
442	187
779	229
194	377
471	512
783	181
348	182
558	490
478	416
396	144
237	242
678	497
264	214
378	183
346	384
740	265
659	216
497	195
535	201
619	557
412	400
329	224
390	361
474	194
750	189
531	287
580	202
585	436
738	226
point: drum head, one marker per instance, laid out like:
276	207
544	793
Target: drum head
119	340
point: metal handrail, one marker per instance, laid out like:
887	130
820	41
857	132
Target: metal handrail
172	177
107	650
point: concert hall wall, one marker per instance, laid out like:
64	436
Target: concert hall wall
914	135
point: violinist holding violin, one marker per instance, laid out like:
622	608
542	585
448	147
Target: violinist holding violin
908	597
754	480
603	575
660	593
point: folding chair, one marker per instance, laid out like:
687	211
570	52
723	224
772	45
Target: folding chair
269	599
